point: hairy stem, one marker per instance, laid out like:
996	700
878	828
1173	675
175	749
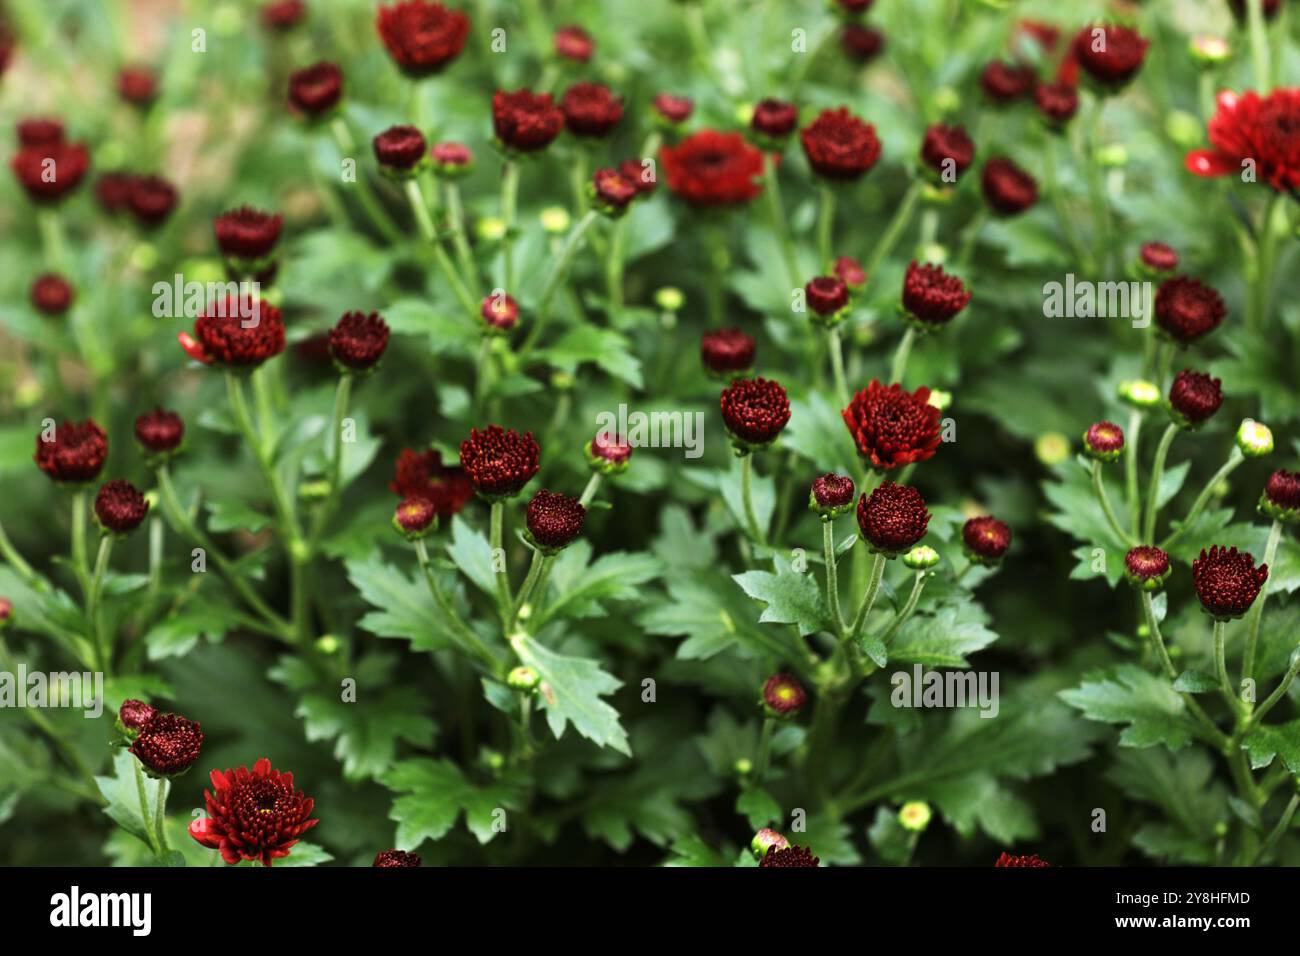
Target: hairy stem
1153	488
832	577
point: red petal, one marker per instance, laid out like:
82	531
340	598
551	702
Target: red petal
262	768
201	830
195	351
1210	162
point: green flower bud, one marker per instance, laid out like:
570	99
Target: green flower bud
555	220
670	298
491	229
1209	51
939	398
1052	448
523	678
914	816
1139	393
921	558
327	644
1255	439
765	840
743	766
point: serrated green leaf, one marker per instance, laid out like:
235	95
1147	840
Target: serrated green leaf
790	597
436	793
1148	705
571	691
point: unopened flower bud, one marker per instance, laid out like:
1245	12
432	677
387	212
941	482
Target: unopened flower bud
1255	439
914	816
921	558
767	839
523	678
1139	393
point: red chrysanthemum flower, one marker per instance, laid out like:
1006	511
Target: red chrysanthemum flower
113	191
151	199
1195	396
168	745
931	296
892	427
1146	567
421	474
1227	581
1110	54
590	109
358	340
400	148
755	411
500	311
1259	134
710	168
783	695
526	121
120	507
451	159
892	518
283	14
727	350
612	191
774	119
51	294
397	858
1103	441
414	516
793	855
1283	488
499	461
947	151
39	131
826	295
75	453
134	714
986	539
1007	82
1008	188
137	85
672	109
861	43
159	431
1187	309
1030	860
554	520
317	89
422	38
640	174
1058	102
247	233
839	145
850	272
253	815
239	331
574	43
831	493
50	171
1158	257
610	449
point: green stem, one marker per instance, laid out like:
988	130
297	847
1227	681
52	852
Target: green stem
1131	472
79	562
468	639
509	202
102	652
835	347
918	585
1235	458
334	452
284	512
1100	204
1153	487
826	225
715	248
145	815
901	355
559	270
869	598
1279	692
1257	611
764	750
1259	51
496	525
1275	834
430	235
779	221
1057	195
530	582
160	817
614	268
456	217
832	577
1221	666
1265	261
1104	500
1213	733
52	239
18	563
369	201
970	236
747	498
887	240
589	492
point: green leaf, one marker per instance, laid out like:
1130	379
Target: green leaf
1181	785
571	691
472	553
1195	682
763	495
176	634
1151	708
580	588
758	807
436	793
714	615
122	795
692	851
817	432
403	606
943	639
888	837
1263	743
608	349
232	514
790	597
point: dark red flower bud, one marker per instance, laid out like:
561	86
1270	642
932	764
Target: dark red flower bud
1187	309
151	199
793	855
1281	497
316	90
134	714
673	110
1008	188
120	507
574	43
827	295
75	453
1158	257
640	174
831	494
500	312
1111	55
358	340
775	120
947	151
48	172
423	475
1227	581
860	43
51	294
247	233
554	520
283	14
253	816
855	8
1030	860
608	453
400	148
931	296
709	168
168	745
783	696
1103	441
590	109
892	518
421	37
39	131
239	331
159	432
727	351
1058	102
839	145
1006	82
892	427
755	411
1146	567
986	539
137	85
451	159
526	121
397	858
612	192
113	191
498	461
850	272
414	517
1194	397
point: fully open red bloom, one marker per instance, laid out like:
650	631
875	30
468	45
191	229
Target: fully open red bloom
755	410
1227	581
710	168
793	855
1005	82
239	331
151	199
1110	54
591	109
168	744
51	294
1029	860
396	858
253	815
119	507
499	461
947	151
75	452
1257	133
1008	188
893	518
727	350
892	427
358	340
422	38
932	296
839	145
247	233
526	121
317	89
159	431
50	171
421	474
574	43
554	520
1186	309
